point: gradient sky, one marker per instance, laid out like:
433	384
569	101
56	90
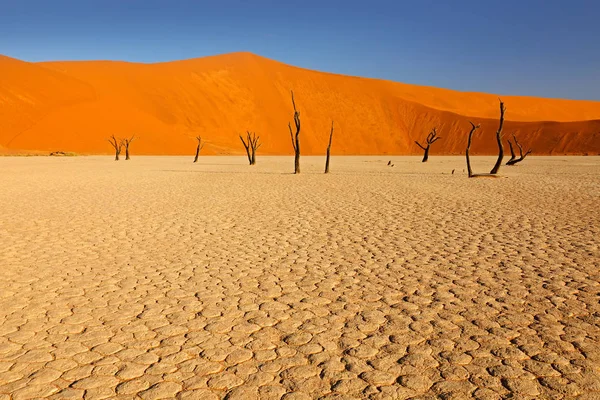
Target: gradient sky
529	47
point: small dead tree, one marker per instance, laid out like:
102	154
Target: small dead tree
496	168
473	129
247	147
431	138
251	146
127	142
329	150
117	144
199	147
295	138
513	158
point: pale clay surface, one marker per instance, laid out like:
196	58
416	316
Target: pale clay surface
158	278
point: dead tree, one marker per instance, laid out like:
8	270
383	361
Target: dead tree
247	147
473	129
127	142
329	150
295	138
513	158
117	144
431	138
494	170
198	148
251	146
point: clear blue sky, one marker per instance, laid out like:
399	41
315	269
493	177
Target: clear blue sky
545	48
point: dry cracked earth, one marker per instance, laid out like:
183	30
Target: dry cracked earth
158	278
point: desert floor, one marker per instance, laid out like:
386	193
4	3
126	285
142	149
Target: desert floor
160	278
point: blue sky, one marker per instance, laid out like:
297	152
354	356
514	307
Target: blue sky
529	47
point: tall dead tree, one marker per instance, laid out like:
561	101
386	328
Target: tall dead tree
198	148
296	137
431	138
251	146
496	168
127	142
513	158
473	129
329	150
117	144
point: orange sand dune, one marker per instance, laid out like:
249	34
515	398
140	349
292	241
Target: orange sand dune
75	106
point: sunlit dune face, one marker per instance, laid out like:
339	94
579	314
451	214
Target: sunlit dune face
76	106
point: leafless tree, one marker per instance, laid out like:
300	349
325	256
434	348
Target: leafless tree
127	142
296	137
431	138
513	158
329	149
117	144
496	168
473	129
251	146
199	147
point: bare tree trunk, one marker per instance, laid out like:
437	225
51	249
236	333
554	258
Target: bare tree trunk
426	155
197	153
127	143
117	145
297	161
329	150
473	129
247	147
499	140
198	148
296	138
431	138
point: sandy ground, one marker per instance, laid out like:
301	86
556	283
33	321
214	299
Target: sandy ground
160	278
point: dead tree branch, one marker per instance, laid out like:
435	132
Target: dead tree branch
512	153
513	159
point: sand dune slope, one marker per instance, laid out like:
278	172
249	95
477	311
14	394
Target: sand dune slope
28	94
78	104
